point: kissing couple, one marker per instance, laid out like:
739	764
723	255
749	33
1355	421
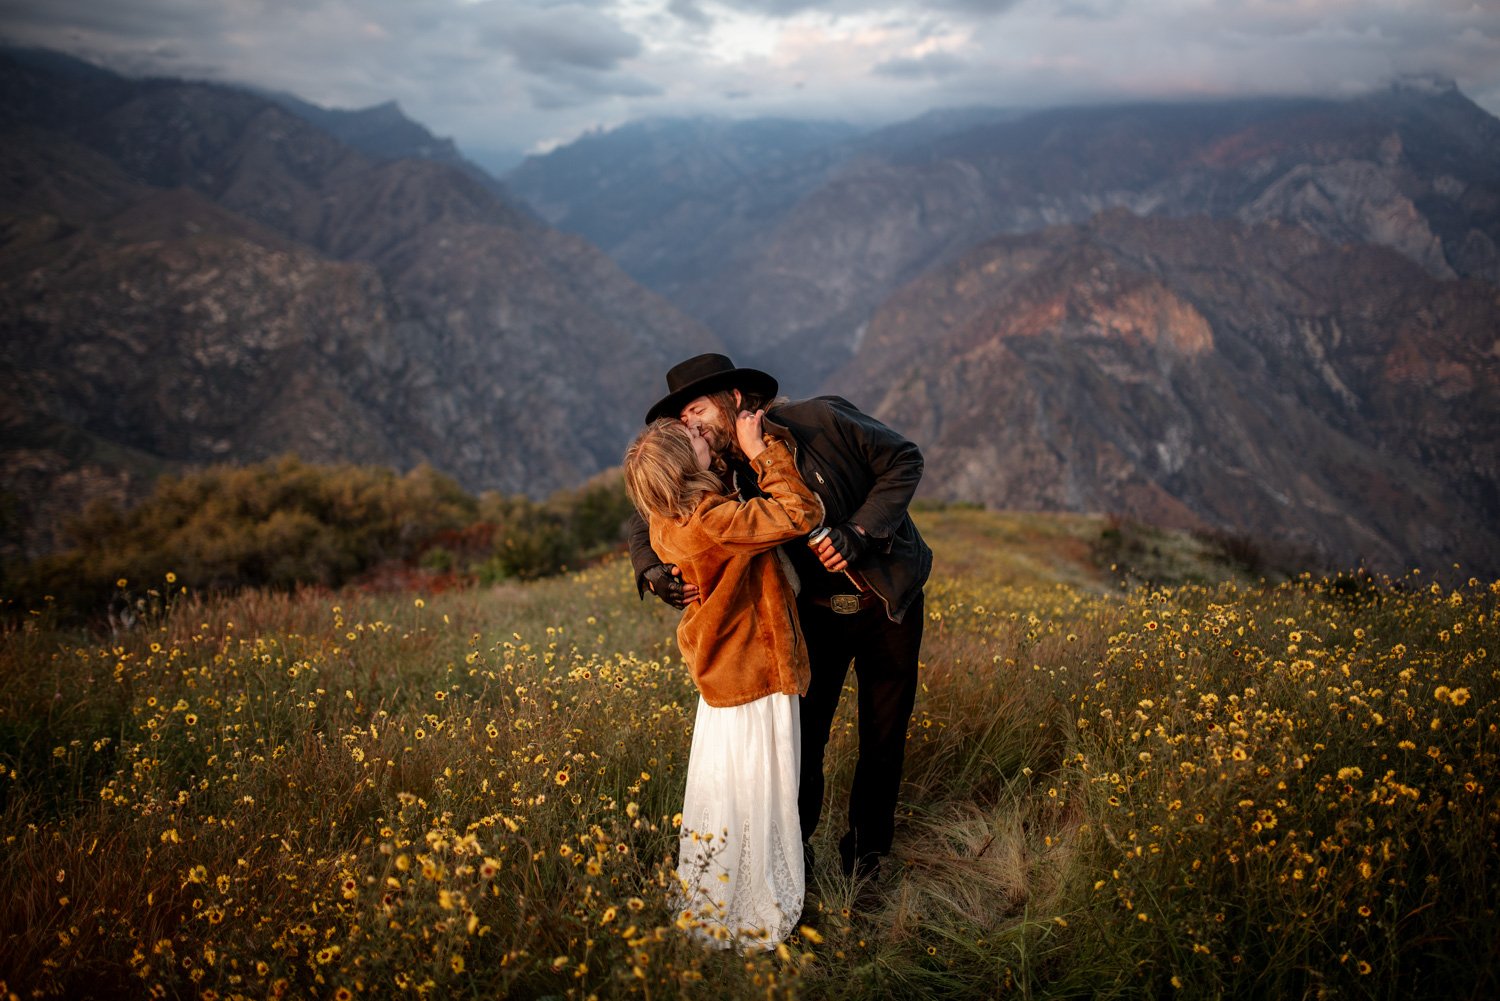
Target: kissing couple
781	531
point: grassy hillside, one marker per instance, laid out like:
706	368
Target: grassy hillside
1198	790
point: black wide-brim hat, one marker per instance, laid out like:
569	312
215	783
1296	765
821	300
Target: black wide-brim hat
704	374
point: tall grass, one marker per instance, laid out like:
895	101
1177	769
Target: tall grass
1226	790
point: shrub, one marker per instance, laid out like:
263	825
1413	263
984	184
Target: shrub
283	523
275	524
573	526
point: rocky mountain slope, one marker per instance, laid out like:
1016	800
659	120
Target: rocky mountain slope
670	199
384	132
609	187
189	273
788	264
1336	403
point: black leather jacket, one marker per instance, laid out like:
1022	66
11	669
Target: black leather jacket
865	473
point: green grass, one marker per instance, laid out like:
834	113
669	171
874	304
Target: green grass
1198	790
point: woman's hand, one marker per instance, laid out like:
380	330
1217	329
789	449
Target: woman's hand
747	430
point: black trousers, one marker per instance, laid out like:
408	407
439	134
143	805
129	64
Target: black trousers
885	663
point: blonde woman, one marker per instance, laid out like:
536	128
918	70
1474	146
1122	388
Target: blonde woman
739	866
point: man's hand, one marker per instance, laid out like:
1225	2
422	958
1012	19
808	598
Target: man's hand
747	431
841	546
665	581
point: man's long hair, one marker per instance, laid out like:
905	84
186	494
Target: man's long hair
661	473
729	410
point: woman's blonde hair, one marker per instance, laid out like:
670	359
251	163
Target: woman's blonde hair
661	473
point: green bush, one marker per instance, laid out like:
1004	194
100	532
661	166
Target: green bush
275	524
283	523
535	539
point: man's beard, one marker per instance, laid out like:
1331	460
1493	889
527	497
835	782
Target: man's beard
719	435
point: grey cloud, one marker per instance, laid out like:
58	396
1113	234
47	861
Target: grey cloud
145	19
689	12
278	43
1373	26
933	66
562	91
559	37
1089	10
783	8
786	8
975	7
548	68
547	98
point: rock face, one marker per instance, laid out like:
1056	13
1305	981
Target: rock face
1338	402
789	263
189	273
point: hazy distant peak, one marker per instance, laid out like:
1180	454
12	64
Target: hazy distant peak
696	159
391	107
57	62
699	127
387	114
1430	84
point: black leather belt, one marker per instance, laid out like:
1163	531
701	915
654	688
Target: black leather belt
844	604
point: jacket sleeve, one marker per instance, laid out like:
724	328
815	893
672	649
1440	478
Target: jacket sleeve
789	510
894	462
642	556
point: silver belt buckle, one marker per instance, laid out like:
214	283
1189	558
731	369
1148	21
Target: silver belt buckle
844	604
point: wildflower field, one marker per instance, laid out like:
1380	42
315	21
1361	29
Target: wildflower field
1213	789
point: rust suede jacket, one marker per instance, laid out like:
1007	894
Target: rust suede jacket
864	472
741	640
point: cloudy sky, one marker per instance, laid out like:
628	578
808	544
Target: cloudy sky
527	74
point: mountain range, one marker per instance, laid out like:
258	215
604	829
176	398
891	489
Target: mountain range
190	273
1271	317
1337	404
792	261
1274	318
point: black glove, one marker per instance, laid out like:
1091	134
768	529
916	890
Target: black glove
664	584
848	542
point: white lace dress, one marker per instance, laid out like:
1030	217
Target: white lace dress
739	863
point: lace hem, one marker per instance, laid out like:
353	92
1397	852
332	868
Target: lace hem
753	904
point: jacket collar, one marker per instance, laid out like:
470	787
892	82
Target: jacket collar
776	429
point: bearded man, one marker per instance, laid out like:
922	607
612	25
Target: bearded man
860	597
